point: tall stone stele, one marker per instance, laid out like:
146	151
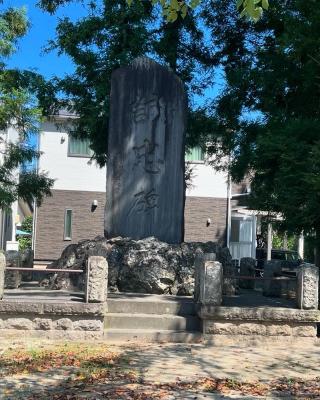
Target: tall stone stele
145	170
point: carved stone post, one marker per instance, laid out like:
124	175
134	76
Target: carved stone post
198	264
308	287
208	279
2	269
13	278
247	268
271	287
97	280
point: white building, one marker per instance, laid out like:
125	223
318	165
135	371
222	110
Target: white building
68	216
11	219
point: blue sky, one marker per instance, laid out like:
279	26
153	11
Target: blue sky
30	53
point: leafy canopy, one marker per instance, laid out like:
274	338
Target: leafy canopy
268	115
252	9
171	9
112	35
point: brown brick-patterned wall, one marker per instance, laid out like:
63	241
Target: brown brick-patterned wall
87	225
50	221
197	212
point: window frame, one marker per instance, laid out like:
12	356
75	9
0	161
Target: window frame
77	154
65	237
196	161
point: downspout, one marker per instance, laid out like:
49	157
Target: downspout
228	210
3	213
35	208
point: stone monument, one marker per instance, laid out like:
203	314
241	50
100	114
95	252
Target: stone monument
145	169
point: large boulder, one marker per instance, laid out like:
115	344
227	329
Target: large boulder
139	266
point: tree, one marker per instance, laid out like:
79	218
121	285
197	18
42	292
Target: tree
111	36
268	116
172	9
18	110
25	242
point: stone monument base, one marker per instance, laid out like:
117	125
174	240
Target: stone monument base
139	266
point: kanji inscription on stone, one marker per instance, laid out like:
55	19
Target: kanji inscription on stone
145	171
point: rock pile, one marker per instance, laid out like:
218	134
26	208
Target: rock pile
139	266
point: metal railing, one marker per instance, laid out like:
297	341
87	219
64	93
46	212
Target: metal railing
48	270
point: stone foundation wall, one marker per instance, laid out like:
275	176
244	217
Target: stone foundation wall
53	321
258	321
260	328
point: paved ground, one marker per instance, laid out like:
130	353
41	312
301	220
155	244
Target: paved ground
160	364
30	292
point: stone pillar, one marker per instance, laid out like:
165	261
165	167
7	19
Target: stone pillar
145	191
247	268
308	287
2	269
210	280
272	269
199	265
13	278
97	280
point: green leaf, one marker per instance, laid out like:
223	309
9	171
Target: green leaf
174	5
172	15
243	13
194	3
250	7
257	13
239	3
184	10
265	4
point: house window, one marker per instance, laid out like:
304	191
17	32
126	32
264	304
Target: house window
79	147
241	241
195	154
241	230
67	225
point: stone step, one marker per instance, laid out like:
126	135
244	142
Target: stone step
151	336
127	321
135	306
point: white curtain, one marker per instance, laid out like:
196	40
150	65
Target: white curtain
245	231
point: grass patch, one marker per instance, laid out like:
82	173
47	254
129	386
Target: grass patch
80	356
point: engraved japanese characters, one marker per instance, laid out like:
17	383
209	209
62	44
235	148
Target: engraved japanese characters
145	171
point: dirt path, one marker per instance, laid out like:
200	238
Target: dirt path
162	369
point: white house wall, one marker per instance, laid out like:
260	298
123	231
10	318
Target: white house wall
70	173
207	182
74	173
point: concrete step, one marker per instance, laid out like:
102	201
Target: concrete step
127	321
151	306
151	336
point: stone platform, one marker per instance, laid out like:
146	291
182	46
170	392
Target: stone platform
152	318
37	312
31	292
252	314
